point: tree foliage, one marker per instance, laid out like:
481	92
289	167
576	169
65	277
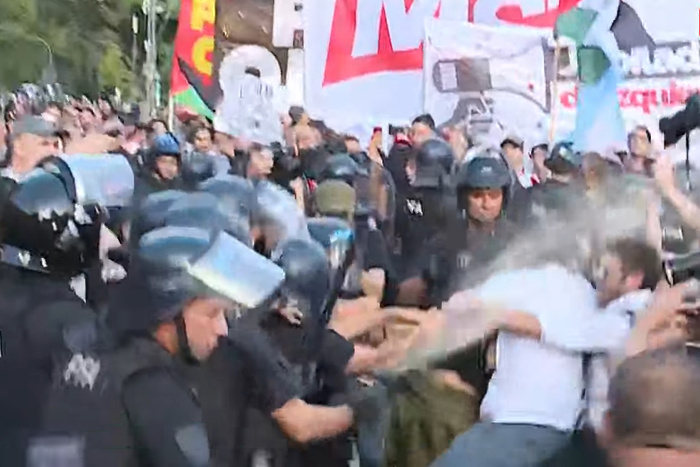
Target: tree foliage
91	41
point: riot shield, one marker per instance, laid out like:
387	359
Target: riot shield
106	179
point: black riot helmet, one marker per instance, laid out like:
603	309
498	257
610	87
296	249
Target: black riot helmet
483	172
435	152
150	214
307	275
433	163
51	220
343	167
197	167
236	196
563	159
174	265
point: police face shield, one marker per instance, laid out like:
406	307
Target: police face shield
430	177
106	180
279	215
237	273
44	228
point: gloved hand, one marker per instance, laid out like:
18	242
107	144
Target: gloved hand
366	402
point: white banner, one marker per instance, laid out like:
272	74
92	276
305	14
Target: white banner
364	58
493	80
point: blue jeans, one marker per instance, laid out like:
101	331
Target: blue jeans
503	445
371	435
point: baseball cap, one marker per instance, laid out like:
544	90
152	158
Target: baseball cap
515	140
34	125
334	197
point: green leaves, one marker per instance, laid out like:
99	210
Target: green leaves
112	70
91	42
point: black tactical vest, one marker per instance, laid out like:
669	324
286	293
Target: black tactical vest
29	341
85	421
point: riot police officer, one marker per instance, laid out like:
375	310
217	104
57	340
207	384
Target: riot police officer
317	355
237	199
483	191
429	212
50	233
429	207
172	312
162	167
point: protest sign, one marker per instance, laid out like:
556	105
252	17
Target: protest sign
248	110
493	79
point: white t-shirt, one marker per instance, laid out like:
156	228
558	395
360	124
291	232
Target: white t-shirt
535	383
603	333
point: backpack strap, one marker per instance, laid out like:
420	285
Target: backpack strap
586	375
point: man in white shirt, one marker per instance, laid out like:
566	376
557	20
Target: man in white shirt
628	271
534	397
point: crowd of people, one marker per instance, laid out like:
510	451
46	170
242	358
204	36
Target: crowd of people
184	297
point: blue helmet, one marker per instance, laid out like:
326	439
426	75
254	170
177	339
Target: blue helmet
166	145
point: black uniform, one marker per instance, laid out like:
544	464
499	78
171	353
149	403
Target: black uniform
171	266
317	357
40	318
471	252
50	234
128	407
429	205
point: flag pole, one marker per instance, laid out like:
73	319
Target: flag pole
554	86
171	112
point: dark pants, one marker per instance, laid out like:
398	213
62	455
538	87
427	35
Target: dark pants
504	445
582	451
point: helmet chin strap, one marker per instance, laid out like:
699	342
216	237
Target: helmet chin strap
185	351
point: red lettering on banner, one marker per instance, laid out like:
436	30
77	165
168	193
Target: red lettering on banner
513	13
645	99
342	66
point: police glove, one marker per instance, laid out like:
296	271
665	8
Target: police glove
366	402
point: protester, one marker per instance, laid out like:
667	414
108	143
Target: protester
653	410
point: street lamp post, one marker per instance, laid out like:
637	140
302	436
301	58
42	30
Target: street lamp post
49	74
